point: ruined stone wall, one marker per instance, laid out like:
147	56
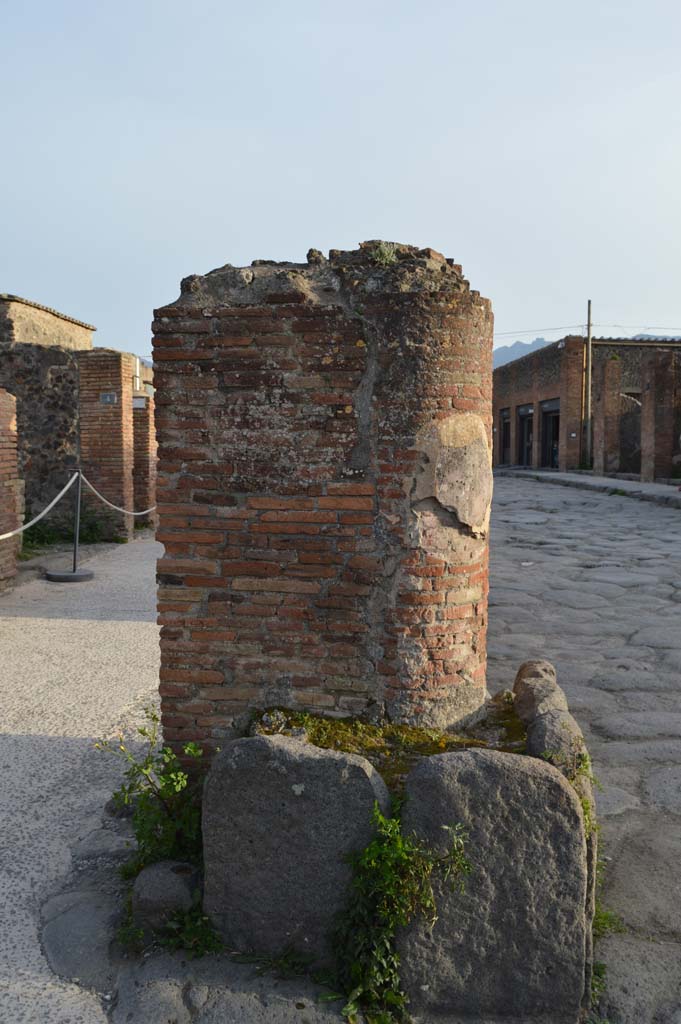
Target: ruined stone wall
33	324
44	380
11	489
324	488
144	471
106	435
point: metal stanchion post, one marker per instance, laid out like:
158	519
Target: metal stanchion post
77	575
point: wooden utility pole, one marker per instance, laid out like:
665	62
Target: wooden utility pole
587	403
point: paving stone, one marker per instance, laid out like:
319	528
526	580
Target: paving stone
662	788
643	980
643	883
639	725
659	637
103	842
77	934
611	801
167	989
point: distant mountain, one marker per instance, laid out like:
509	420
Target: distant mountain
507	353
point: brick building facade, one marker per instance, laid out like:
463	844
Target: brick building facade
324	488
539	407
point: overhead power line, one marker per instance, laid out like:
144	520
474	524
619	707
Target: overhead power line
582	327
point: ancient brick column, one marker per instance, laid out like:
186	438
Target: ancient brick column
607	403
657	415
106	435
324	490
144	473
11	489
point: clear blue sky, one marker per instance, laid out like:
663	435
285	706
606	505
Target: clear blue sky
536	143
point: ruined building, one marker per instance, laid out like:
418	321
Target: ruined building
324	490
540	413
75	404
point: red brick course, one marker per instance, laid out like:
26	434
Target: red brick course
307	563
11	489
106	435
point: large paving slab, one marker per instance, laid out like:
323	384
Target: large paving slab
590	581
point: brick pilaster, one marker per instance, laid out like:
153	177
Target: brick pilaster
106	435
657	415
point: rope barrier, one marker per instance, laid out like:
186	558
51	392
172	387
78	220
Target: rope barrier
79	473
111	505
20	529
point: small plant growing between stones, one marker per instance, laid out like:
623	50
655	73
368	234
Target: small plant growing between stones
192	932
166	811
392	882
385	254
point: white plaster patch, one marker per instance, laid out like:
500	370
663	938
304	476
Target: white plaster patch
298	788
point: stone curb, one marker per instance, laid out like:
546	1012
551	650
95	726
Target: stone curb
587	484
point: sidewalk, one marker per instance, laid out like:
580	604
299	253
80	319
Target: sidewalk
659	494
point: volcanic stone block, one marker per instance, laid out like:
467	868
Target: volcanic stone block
511	947
279	819
536	691
162	890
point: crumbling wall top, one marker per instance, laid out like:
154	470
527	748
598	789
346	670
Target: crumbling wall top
375	267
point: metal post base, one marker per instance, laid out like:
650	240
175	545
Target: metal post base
79	576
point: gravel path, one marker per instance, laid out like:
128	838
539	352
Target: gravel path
75	660
592	582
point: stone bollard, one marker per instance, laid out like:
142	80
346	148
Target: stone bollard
324	490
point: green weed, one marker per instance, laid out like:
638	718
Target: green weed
392	882
166	810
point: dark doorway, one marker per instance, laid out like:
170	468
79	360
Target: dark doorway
505	437
550	432
525	435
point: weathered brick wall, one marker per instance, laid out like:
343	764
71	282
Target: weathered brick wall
11	489
530	380
324	486
607	409
657	415
106	435
144	472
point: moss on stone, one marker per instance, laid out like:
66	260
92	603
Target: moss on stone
391	748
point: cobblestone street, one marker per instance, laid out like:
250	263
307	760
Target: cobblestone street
592	582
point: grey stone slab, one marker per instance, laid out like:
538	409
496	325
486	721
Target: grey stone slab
77	936
644	883
662	788
638	753
513	944
639	725
103	842
590	700
662	636
167	989
643	980
611	800
279	820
